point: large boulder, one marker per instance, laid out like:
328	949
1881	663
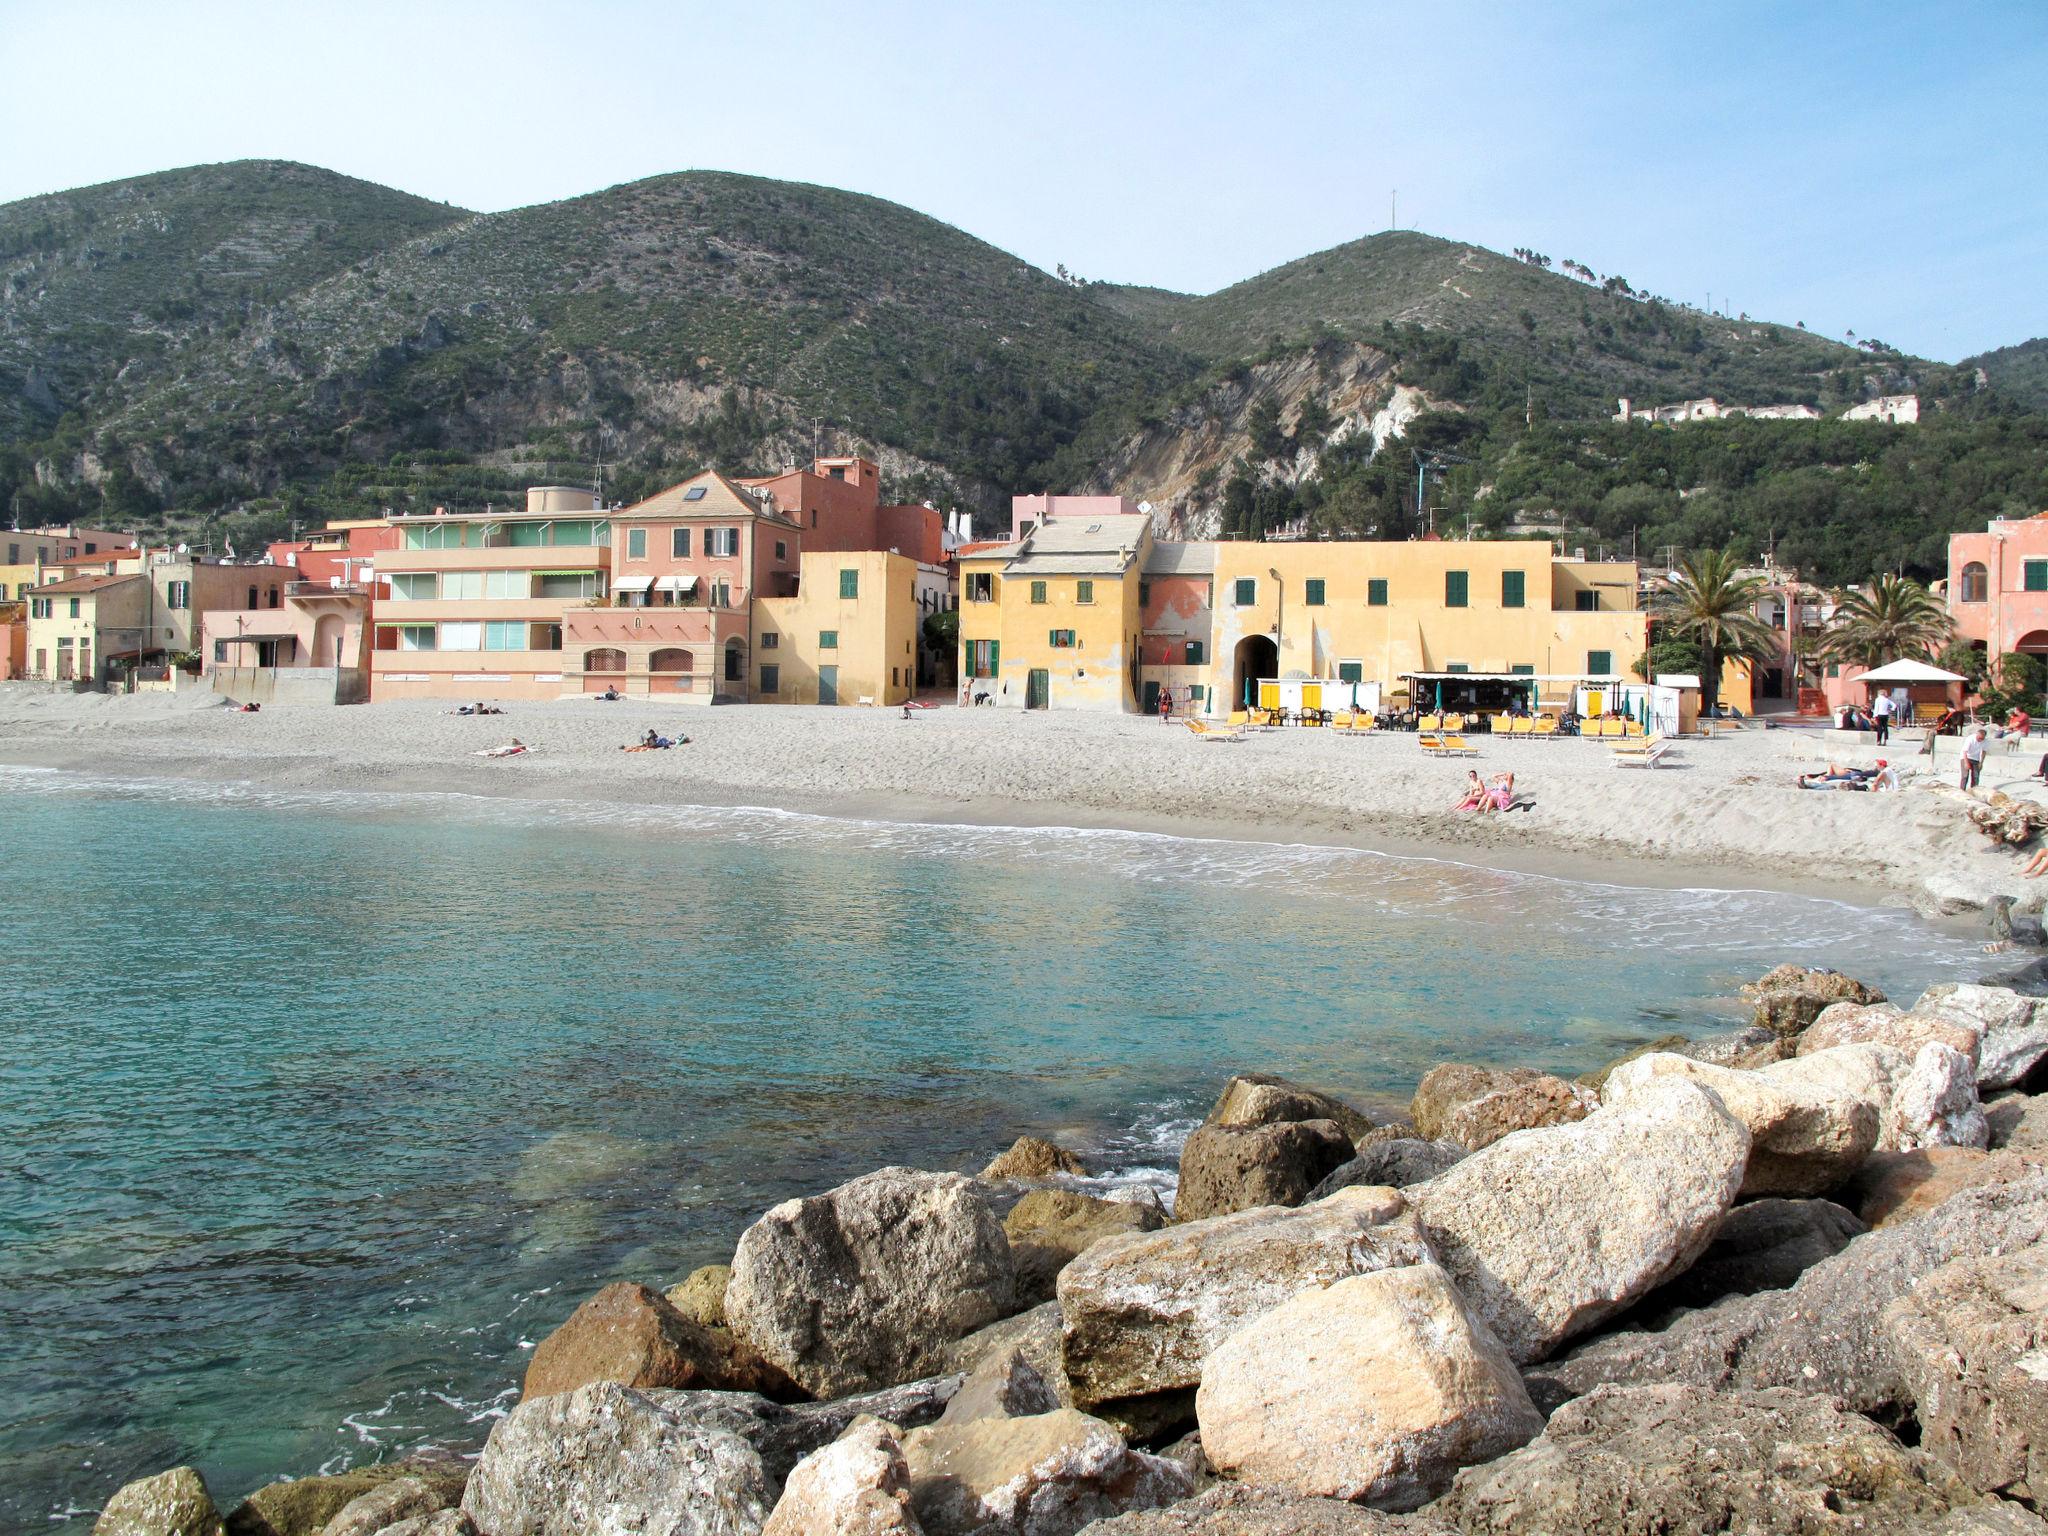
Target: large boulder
1803	1140
2012	1029
1033	1157
1885	1024
1225	1168
303	1506
173	1503
1033	1335
1750	1046
1969	1341
2018	1123
1253	1098
1232	1509
1444	1087
1006	1385
403	1499
1871	1073
1141	1313
1761	1245
1048	1475
612	1458
1049	1228
1893	1187
1547	1232
1523	1106
1789	998
628	1334
1598	1076
865	1285
1822	1334
859	1485
1377	1389
701	1295
1936	1105
1396	1163
783	1434
1626	1461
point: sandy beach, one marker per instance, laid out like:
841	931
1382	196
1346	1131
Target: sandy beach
1724	811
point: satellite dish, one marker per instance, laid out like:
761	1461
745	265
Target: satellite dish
182	549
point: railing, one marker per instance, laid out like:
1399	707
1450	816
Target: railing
324	589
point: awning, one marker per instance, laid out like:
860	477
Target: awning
676	584
257	633
1909	672
632	583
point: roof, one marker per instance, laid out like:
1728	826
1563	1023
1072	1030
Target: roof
1083	546
1056	564
1181	559
716	497
79	584
1909	672
986	548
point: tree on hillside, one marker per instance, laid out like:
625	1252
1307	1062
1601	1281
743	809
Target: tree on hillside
1708	602
1893	618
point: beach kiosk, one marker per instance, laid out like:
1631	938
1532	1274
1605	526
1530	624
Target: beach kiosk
1924	684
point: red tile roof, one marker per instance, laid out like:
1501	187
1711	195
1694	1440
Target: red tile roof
77	584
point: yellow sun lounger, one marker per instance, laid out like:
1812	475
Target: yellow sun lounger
1446	745
1651	754
1203	731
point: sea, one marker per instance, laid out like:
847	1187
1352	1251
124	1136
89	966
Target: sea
317	1111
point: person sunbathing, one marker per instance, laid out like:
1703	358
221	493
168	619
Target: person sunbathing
1837	778
512	748
1475	791
1500	793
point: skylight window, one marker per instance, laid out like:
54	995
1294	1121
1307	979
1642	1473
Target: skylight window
694	493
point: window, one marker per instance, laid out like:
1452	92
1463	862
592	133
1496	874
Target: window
679	543
1513	588
1599	663
566	584
604	660
1456	666
1315	592
505	635
273	595
771	678
461	637
1038	591
507	584
178	594
1144	594
2037	576
735	663
781	550
1062	639
252	599
1192	655
694	493
416	637
220	652
1350	671
828	639
636	543
1084	591
770	640
1376	594
91	548
74	608
1588	602
894	673
1247	592
981	587
462	586
415	586
983	658
1457	589
849	583
721	543
1523	669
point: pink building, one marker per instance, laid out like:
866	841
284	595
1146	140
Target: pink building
1028	511
1998	586
837	504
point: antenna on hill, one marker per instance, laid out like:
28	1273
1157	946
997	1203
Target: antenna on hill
1393	205
601	466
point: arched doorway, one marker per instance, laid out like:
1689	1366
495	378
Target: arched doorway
670	670
1256	656
327	640
598	664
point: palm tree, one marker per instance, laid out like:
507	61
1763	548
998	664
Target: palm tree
1712	604
1891	619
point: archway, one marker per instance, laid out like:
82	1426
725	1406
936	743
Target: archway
670	670
597	663
1256	656
327	640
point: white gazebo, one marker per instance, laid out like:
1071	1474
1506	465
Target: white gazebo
1910	672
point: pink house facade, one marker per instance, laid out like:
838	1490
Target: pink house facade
1998	586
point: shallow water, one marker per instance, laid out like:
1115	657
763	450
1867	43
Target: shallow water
317	1111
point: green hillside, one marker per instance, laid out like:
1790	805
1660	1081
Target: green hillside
2018	375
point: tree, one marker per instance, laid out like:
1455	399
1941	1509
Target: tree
1892	618
1708	602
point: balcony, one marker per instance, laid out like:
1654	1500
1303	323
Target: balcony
312	589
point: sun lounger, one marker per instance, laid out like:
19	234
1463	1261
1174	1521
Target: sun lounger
1443	744
1203	731
1429	723
1360	724
1654	755
1638	745
1503	725
1546	726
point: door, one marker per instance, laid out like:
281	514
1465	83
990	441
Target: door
828	685
1038	689
1151	705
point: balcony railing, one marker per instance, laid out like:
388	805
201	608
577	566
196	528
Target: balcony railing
325	589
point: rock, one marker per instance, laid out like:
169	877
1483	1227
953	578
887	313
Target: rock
1443	1088
1234	1510
446	1522
1035	1335
1030	1157
1598	1076
1547	1232
1677	1458
859	1485
628	1334
1522	1106
2012	1029
1252	1098
1187	1454
613	1458
866	1285
1142	1312
1004	1386
173	1503
1761	1245
1049	1228
1822	1334
784	1434
1376	1390
304	1506
1397	1163
2018	1122
1048	1475
1898	1186
401	1500
1803	1140
701	1297
1936	1105
1884	1024
1225	1168
1871	1073
1750	1046
1790	997
1393	1130
1969	1341
1993	1517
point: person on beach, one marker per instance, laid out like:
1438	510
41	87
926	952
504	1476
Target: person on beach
1165	706
1475	791
1886	777
1500	793
1973	758
2018	723
2037	866
1881	717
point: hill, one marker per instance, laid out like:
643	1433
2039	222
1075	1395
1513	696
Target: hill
2017	374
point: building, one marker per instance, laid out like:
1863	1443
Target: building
312	648
63	642
1052	619
39	555
478	600
1998	587
848	635
1028	512
837	505
344	553
138	622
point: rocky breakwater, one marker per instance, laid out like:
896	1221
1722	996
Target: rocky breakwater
1791	1279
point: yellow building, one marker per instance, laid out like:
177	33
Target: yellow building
64	624
848	636
1052	620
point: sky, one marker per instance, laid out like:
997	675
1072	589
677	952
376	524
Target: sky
1859	167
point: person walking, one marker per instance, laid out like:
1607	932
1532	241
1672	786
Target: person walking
1881	716
1973	758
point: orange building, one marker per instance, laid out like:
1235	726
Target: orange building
838	505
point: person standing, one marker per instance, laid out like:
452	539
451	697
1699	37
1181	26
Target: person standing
1973	758
1881	716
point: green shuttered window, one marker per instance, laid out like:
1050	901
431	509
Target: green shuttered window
1512	589
1457	589
1376	594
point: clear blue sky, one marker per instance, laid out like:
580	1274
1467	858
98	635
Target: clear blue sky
1866	167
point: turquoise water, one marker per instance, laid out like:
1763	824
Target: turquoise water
315	1114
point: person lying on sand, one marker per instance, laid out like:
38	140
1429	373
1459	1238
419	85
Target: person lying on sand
1475	791
652	742
1500	793
1839	778
512	748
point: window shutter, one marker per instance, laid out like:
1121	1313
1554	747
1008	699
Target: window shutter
849	583
1513	589
1600	663
1456	586
1376	594
1315	593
